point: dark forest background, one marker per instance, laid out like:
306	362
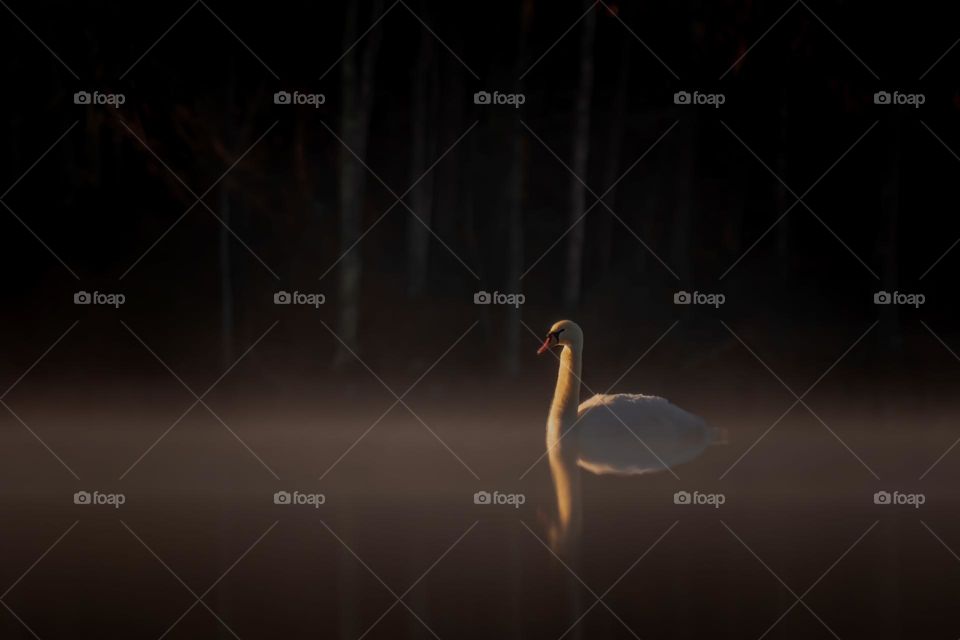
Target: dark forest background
798	80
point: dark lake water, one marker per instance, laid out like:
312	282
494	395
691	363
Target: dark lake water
797	549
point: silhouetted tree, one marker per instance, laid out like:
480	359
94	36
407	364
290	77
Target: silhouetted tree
356	101
581	149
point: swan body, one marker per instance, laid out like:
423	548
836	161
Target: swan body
622	434
632	434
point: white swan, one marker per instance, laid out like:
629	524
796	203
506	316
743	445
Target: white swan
623	434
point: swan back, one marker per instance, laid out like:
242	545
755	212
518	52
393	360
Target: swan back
669	435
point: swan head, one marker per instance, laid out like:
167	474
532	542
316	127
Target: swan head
565	333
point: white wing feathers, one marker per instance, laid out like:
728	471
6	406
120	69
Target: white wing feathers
631	434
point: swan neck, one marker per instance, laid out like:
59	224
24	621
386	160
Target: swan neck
566	396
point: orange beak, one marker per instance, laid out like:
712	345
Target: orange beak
546	345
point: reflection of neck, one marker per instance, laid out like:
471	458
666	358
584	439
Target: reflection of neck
562	457
566	396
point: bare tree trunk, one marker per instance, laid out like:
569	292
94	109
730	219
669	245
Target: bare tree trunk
227	324
423	144
515	186
682	245
581	148
887	242
614	144
783	229
356	102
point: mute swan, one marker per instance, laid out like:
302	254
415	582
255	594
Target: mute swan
621	434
